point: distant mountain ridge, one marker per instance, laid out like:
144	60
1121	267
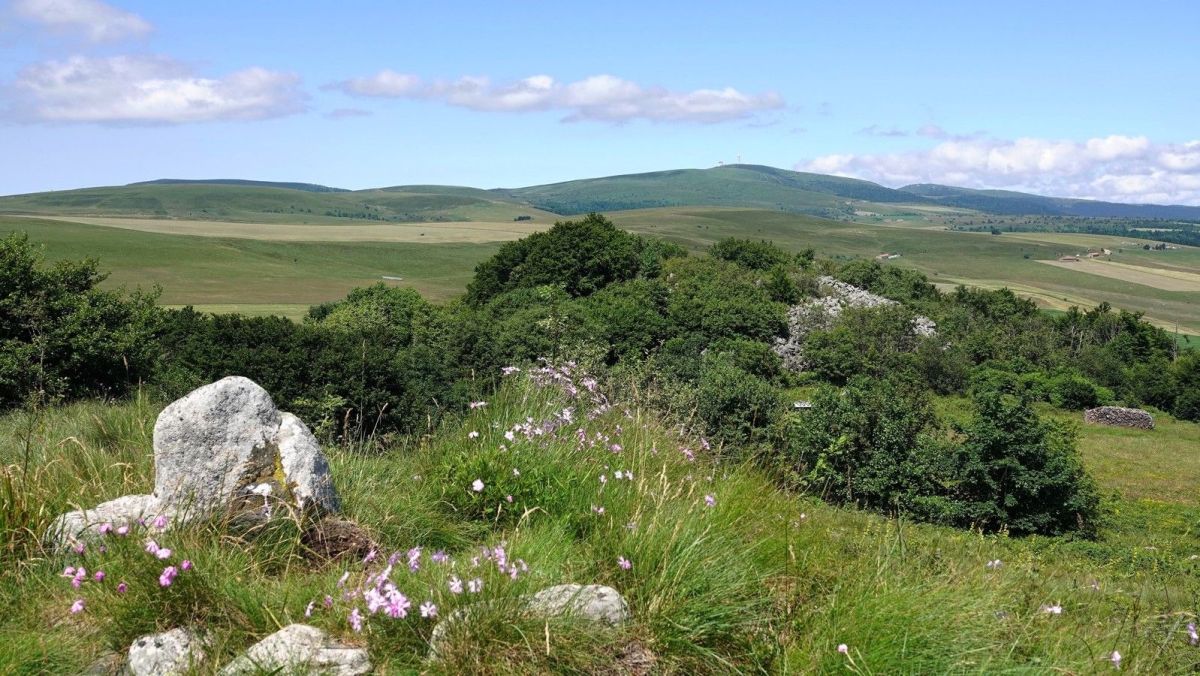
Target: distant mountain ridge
738	185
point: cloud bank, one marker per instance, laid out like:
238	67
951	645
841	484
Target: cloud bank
148	90
1115	168
597	98
94	20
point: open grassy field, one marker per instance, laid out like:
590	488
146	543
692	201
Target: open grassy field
257	265
1167	280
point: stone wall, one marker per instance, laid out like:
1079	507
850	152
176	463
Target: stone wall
1119	417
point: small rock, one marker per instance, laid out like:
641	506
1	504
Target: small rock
172	652
592	602
299	648
85	523
106	665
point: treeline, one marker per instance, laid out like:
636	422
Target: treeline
1159	230
694	333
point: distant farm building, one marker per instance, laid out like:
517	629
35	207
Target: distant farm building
887	256
1069	259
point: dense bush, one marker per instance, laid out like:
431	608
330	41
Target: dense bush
61	336
750	254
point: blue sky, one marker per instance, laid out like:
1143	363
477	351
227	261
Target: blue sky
1088	99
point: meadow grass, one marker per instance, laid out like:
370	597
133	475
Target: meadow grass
761	581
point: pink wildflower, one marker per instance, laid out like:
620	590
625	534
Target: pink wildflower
163	553
151	547
168	576
370	556
1115	658
356	620
710	501
99	576
844	649
105	528
477	486
687	453
122	588
77	607
456	585
328	601
398	604
475	586
1055	609
509	498
160	522
69	571
308	610
185	565
428	610
624	563
1193	636
342	580
123	530
439	557
414	559
598	510
79	548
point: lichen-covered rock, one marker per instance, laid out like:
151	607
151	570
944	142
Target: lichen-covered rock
176	651
1119	417
85	523
300	649
590	602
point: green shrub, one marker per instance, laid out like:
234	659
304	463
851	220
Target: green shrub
749	254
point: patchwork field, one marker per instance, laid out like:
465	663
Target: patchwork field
280	268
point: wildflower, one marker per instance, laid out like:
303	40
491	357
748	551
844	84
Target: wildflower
687	453
616	448
160	521
624	563
168	576
477	486
398	604
163	553
710	501
618	475
185	565
509	498
370	556
99	576
328	601
342	580
123	530
428	610
1193	636
516	472
356	620
475	586
994	564
1115	658
1055	609
414	559
105	528
69	571
439	557
603	479
122	588
77	607
456	586
309	608
80	547
477	404
80	576
509	435
843	649
509	370
598	510
472	434
151	547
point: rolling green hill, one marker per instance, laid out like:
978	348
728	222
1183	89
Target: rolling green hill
739	185
1012	203
251	201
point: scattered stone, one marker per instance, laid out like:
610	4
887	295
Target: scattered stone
224	447
334	538
591	602
299	648
79	525
176	651
1119	417
821	314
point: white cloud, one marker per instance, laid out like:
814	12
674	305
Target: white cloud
95	20
1117	168
599	97
148	90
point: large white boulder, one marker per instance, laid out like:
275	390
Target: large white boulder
594	602
300	649
85	523
177	651
226	445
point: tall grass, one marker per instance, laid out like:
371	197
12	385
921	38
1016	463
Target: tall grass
753	580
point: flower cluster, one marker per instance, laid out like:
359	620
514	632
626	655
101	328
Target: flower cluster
378	593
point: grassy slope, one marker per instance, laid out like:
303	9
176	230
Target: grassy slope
762	581
747	186
273	205
1018	203
207	270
